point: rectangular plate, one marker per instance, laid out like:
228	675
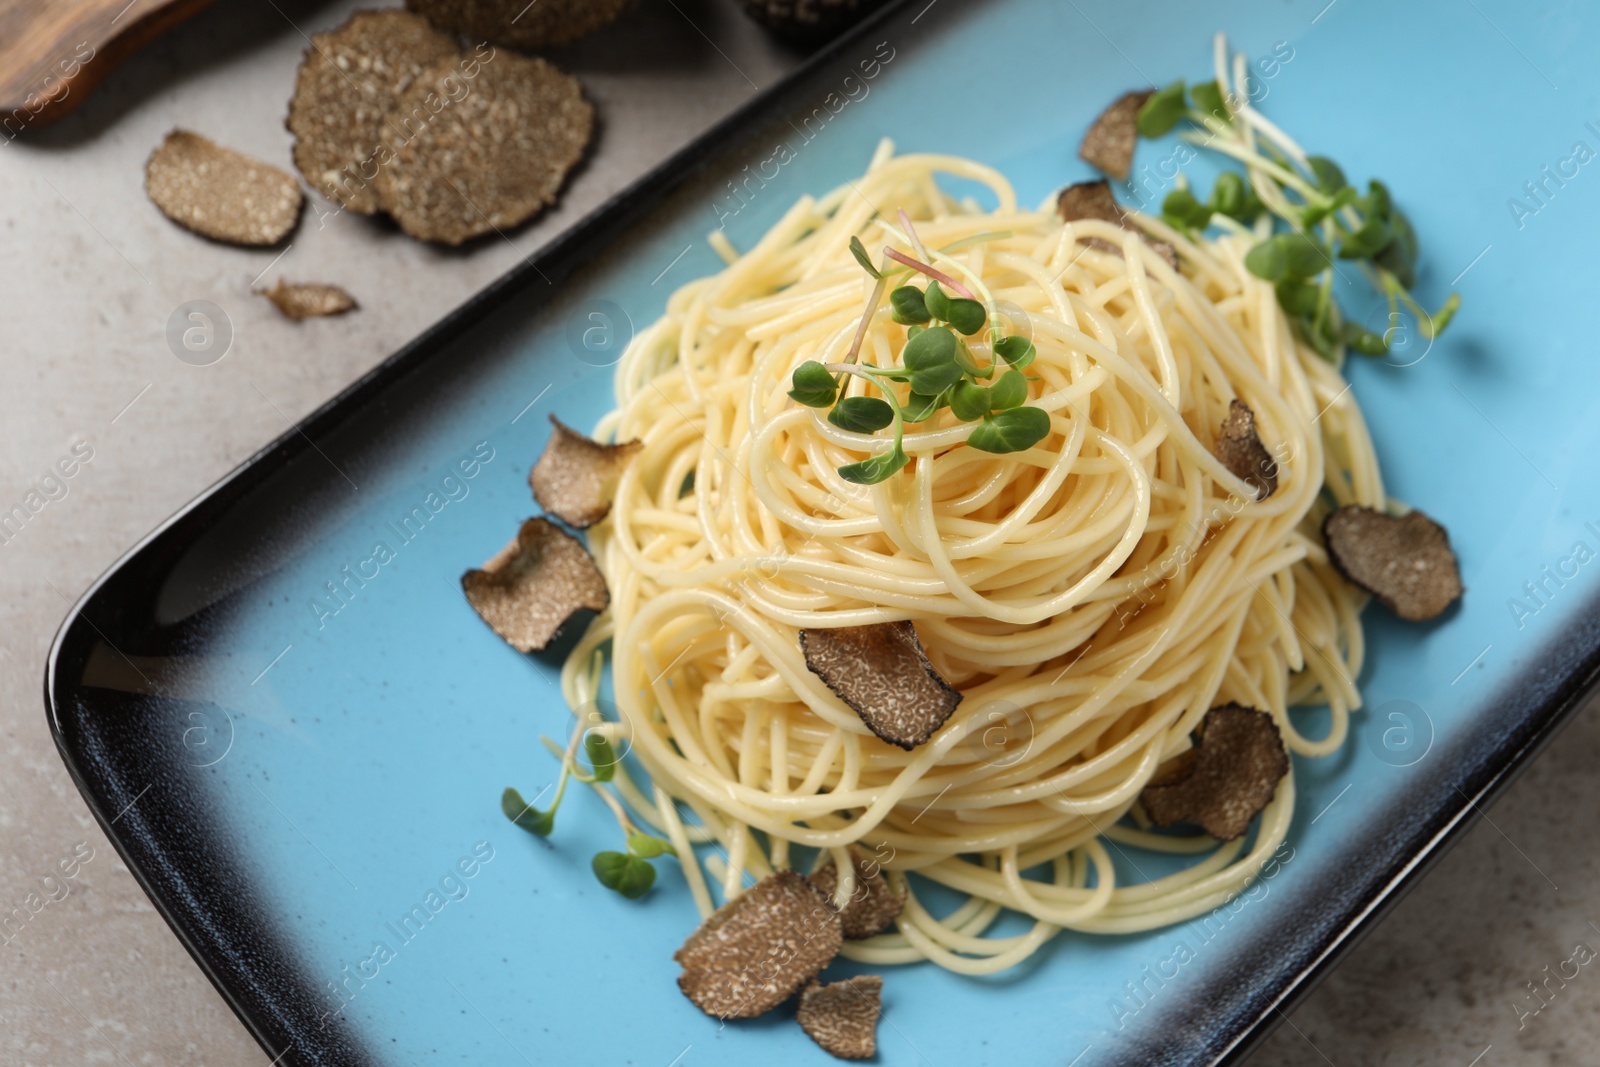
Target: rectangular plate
294	784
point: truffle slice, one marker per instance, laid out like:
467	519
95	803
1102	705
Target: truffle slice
1227	779
873	906
843	1017
345	94
518	23
1093	200
1241	451
493	155
758	949
535	585
1110	141
1405	562
305	300
220	193
884	676
576	476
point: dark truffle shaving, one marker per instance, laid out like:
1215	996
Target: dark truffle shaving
535	585
1110	141
760	948
1093	200
874	905
884	676
576	476
1229	777
1406	561
843	1017
1241	451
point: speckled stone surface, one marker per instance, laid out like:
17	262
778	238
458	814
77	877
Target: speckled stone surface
91	273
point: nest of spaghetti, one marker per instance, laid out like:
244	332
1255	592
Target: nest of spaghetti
1089	598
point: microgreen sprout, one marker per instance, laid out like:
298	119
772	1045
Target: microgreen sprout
1328	220
628	872
937	369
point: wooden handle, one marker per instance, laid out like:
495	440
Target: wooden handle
54	52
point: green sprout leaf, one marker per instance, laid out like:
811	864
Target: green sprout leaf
1013	430
920	407
1010	391
1304	257
859	250
1015	350
1399	256
1207	98
1184	212
1267	260
1314	214
526	815
1162	111
646	847
861	414
1376	204
1364	340
969	364
1330	178
930	356
908	306
937	301
813	385
602	757
628	875
877	468
968	316
968	401
1370	239
1232	196
1297	297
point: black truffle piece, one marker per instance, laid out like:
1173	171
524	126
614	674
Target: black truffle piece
884	676
576	476
1241	451
760	948
843	1017
1225	781
1110	141
1406	561
535	585
874	905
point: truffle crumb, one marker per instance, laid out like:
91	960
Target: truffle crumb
304	300
576	476
874	905
220	193
1405	562
1241	451
760	948
535	585
843	1017
1093	200
881	672
1110	141
1225	781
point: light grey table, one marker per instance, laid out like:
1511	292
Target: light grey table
90	272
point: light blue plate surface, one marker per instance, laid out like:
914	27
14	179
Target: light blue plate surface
368	758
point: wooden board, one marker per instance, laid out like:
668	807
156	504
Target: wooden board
54	52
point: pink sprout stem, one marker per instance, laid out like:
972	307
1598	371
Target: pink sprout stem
933	272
